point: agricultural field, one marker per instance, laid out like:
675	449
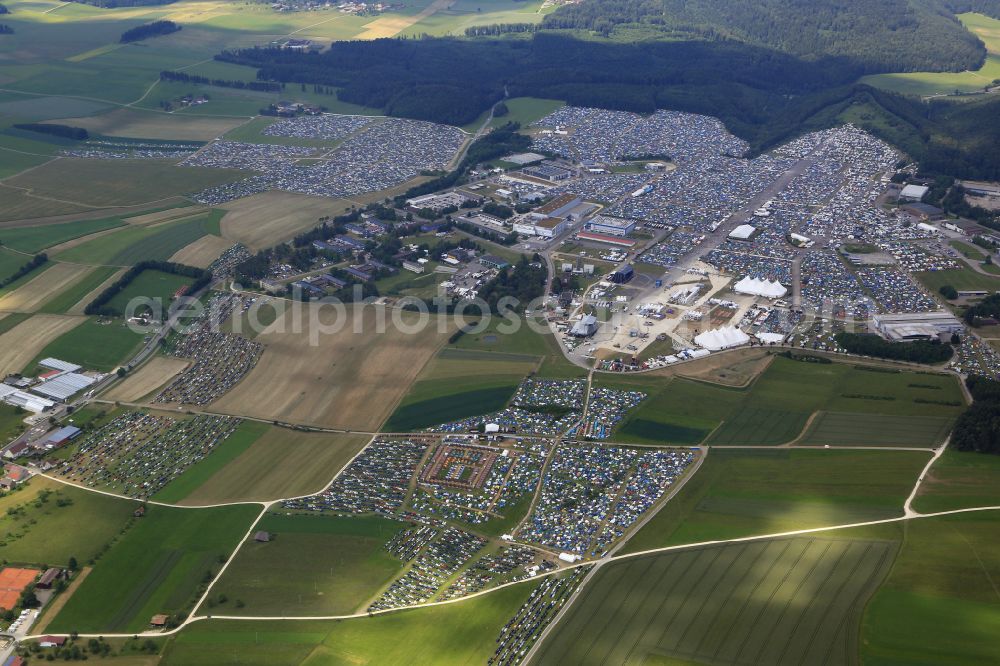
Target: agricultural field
945	83
960	479
847	429
22	343
140	124
18	206
272	217
747	492
143	381
42	286
66	301
766	602
10	262
450	635
939	603
202	252
152	284
46	522
458	384
39	237
155	567
314	565
96	344
123	182
261	462
340	379
775	408
136	243
11	421
523	341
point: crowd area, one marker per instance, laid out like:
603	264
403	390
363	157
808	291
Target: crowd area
604	136
977	357
543	604
670	250
829	287
219	360
437	562
375	155
591	494
137	454
540	407
109	149
376	481
504	566
894	290
605	409
407	543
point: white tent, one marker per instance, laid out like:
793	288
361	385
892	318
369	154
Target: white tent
722	338
770	337
743	232
756	287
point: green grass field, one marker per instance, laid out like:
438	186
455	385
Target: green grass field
93	344
522	341
940	604
37	238
65	300
739	493
526	110
149	284
11	422
960	278
460	383
456	634
960	479
847	429
10	262
46	522
768	602
246	433
136	243
968	250
315	565
155	567
775	408
938	83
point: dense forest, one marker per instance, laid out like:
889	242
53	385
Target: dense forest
154	29
978	428
768	69
876	35
55	129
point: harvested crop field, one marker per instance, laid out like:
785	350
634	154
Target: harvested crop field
342	380
202	252
279	463
846	429
164	215
151	376
272	217
787	601
30	296
93	182
392	25
137	124
21	344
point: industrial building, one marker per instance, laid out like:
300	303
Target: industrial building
913	192
584	328
604	238
910	326
533	224
612	226
560	206
623	275
548	171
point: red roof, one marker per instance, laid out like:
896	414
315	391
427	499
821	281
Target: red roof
604	238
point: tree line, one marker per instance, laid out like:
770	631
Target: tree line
36	262
99	306
154	29
183	77
978	427
869	344
63	131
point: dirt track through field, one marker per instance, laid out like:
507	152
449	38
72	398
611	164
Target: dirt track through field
348	380
21	344
30	296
